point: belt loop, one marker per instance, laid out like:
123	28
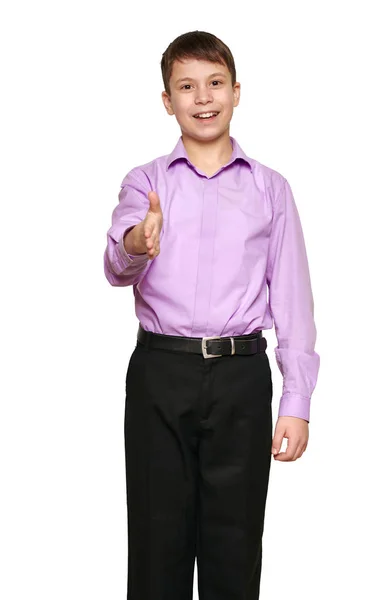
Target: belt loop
260	341
145	336
148	340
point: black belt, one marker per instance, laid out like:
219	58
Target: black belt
209	347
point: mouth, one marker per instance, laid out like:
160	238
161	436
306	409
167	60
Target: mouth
211	116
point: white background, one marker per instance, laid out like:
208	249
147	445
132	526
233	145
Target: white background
81	106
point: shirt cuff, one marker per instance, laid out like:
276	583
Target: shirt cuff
294	405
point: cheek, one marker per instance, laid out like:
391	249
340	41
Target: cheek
184	112
226	102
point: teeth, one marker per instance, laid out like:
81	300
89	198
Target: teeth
205	115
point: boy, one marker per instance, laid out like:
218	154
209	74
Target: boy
201	233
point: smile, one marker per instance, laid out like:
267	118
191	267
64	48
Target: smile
209	116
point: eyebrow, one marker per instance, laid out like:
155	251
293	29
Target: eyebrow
218	74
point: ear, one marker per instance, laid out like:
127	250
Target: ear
236	93
167	103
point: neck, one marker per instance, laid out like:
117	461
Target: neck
211	153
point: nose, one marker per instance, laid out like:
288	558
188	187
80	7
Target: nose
204	95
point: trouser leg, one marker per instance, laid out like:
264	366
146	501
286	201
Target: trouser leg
234	466
161	466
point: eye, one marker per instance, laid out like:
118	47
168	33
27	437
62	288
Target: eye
214	81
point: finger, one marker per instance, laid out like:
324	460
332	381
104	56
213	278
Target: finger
156	250
148	230
152	195
279	433
153	233
154	237
154	201
151	226
152	242
292	446
298	452
291	449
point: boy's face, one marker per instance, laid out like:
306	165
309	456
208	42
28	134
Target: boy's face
201	86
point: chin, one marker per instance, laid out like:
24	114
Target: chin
212	131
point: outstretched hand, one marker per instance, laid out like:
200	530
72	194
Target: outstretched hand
296	430
153	222
144	238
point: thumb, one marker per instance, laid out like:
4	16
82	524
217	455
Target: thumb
155	204
277	441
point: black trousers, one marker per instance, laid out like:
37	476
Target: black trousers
198	435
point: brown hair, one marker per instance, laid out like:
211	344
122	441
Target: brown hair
200	45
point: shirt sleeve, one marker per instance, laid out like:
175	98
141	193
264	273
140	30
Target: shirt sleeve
292	308
121	268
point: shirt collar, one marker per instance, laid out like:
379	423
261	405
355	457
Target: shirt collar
179	151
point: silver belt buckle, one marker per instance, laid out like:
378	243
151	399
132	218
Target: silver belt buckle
213	337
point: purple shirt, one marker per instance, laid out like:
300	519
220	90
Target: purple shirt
225	240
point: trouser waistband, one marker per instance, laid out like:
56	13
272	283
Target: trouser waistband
209	347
